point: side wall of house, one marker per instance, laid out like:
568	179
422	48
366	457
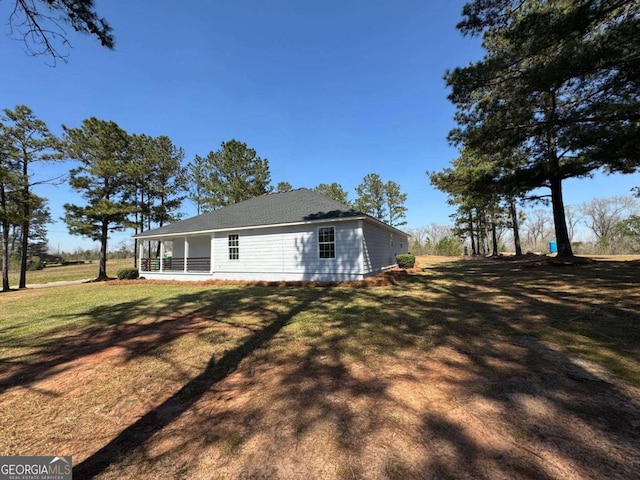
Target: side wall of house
289	253
380	247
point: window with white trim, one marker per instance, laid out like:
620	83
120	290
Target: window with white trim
327	242
234	247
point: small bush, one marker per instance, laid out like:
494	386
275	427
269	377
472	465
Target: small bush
35	264
406	260
127	274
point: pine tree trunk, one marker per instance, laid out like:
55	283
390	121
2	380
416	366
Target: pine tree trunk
555	183
5	256
5	242
102	269
482	234
516	228
473	245
494	237
559	220
26	219
24	255
137	230
135	251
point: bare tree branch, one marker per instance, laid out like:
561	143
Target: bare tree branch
40	25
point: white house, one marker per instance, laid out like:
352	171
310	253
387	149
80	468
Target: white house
296	235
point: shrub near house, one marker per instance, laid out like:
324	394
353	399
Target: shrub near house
406	260
127	274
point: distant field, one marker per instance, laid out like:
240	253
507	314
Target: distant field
59	273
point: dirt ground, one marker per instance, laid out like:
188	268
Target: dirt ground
474	406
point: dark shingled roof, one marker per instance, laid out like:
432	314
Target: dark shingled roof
296	206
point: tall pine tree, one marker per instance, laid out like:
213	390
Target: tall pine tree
159	182
104	152
27	141
395	204
560	82
372	197
383	201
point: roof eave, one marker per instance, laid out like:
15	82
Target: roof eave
143	235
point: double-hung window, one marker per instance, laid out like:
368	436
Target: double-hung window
327	242
234	247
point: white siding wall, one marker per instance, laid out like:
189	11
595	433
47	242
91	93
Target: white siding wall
380	248
290	253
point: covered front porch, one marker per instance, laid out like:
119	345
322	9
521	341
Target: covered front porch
165	257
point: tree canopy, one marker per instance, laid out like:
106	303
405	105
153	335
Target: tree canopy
334	191
556	96
395	204
284	187
229	175
383	201
159	181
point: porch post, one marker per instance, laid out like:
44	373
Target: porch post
140	254
361	249
213	237
186	252
161	255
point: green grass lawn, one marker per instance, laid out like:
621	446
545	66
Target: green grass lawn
111	367
58	273
591	310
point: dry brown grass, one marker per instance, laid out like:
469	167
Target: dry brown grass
468	369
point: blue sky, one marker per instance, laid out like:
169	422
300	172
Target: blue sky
327	91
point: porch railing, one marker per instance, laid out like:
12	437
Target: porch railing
176	264
198	264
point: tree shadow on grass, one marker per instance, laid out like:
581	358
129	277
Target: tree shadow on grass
437	377
110	326
596	304
171	409
509	405
140	327
549	403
